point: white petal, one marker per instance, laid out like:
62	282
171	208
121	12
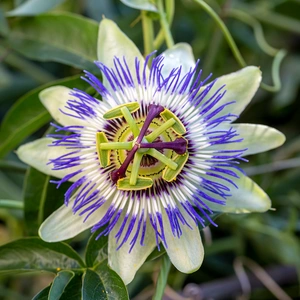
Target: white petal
63	224
257	138
113	42
249	197
186	253
54	99
121	261
180	54
38	153
240	86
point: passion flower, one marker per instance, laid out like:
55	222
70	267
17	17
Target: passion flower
152	159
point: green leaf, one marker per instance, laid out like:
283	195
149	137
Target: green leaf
33	254
59	284
162	278
43	294
33	7
62	37
113	284
73	289
11	204
12	166
35	190
92	286
141	4
272	243
4	30
5	75
96	250
9	189
41	198
28	114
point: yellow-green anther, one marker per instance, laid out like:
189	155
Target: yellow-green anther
103	155
164	159
178	127
169	174
117	113
142	183
116	146
158	131
128	117
135	168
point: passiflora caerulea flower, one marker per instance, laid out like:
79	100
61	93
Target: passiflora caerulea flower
154	157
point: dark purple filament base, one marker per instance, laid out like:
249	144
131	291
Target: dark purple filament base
179	145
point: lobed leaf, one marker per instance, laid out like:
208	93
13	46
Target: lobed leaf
41	198
59	284
33	254
112	282
73	289
92	286
43	294
62	37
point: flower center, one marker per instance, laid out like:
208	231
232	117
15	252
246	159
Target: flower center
144	144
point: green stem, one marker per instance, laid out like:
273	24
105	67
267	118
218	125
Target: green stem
257	28
271	18
170	10
11	204
148	33
162	278
165	25
225	31
275	73
262	43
